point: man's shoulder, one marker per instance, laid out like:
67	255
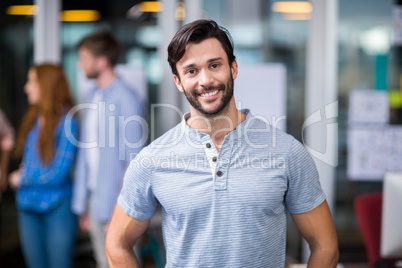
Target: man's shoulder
123	91
260	128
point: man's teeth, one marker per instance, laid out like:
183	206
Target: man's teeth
209	94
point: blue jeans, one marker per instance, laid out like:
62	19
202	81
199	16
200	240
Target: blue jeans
48	238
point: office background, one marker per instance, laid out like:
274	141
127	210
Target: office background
365	50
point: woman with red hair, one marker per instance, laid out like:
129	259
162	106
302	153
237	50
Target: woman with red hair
43	184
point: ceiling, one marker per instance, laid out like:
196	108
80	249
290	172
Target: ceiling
109	9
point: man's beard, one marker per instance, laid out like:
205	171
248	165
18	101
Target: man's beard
92	75
227	94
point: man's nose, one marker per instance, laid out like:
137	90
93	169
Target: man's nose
205	78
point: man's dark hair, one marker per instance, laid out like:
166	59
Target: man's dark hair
102	44
196	32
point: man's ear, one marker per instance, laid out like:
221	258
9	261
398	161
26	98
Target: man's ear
234	69
102	62
178	83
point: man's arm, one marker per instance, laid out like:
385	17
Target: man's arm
317	227
123	233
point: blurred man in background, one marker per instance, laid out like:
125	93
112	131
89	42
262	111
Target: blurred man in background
109	136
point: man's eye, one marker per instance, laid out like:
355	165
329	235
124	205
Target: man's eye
191	71
214	65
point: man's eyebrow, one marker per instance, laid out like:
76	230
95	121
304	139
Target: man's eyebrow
191	65
215	59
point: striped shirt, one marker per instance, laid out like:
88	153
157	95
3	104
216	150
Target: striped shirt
228	214
45	187
119	138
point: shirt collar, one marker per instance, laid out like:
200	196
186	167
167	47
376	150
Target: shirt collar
109	90
237	132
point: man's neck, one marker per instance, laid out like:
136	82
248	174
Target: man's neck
217	127
105	78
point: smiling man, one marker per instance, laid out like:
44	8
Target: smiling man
227	207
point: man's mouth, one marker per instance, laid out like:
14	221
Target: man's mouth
209	94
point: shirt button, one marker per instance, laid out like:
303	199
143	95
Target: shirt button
219	173
208	145
214	158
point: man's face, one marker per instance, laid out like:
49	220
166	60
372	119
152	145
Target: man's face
206	79
88	63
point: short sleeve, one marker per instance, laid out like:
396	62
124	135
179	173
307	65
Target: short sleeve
136	197
304	189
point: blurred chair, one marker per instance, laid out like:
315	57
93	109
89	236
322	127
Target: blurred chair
368	210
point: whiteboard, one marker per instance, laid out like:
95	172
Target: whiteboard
262	89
